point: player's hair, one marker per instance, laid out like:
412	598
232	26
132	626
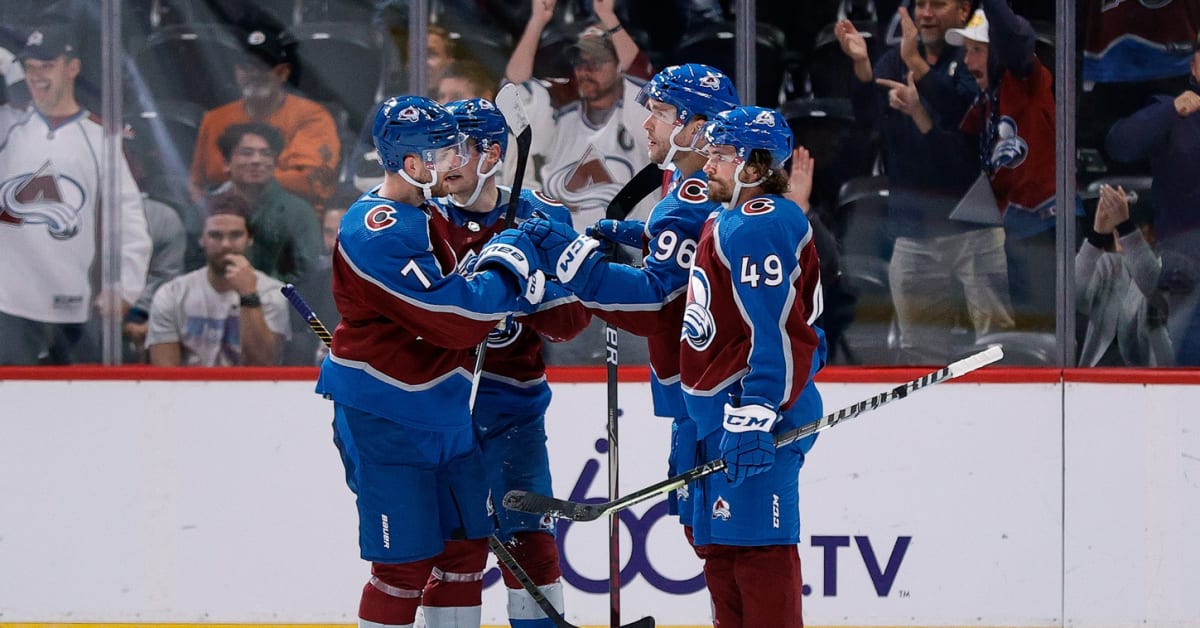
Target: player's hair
229	203
233	135
776	181
475	74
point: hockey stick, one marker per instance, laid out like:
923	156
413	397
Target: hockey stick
576	511
502	554
508	101
643	183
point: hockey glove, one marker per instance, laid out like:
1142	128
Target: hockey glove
562	252
627	232
747	445
511	252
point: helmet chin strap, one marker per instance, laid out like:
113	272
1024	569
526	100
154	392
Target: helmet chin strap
482	178
675	148
425	187
738	185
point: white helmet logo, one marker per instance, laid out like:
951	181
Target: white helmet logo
35	39
766	118
711	81
256	38
410	114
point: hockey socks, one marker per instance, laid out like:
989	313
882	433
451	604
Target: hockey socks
537	553
454	594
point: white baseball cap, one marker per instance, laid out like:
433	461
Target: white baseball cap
975	30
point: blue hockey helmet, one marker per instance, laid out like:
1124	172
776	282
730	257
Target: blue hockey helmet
414	125
693	89
479	119
750	128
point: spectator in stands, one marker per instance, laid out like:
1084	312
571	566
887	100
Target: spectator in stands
307	165
588	139
939	266
1167	132
463	79
287	237
1116	281
227	313
1012	123
316	287
52	174
587	132
166	263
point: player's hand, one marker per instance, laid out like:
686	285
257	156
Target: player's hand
747	446
800	181
1112	210
511	252
240	274
627	232
561	251
853	44
1187	103
542	11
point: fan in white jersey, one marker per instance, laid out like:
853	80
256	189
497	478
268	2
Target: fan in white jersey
50	178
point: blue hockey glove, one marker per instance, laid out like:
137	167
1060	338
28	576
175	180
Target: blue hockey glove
627	232
511	252
747	445
562	252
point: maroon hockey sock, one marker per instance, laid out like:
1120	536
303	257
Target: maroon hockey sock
537	553
393	594
457	577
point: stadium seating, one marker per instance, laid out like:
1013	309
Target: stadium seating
715	45
842	148
193	63
342	65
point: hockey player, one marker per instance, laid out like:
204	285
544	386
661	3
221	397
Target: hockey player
648	300
399	373
748	354
513	394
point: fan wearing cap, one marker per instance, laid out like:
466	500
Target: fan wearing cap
586	132
51	171
1167	133
1012	124
307	165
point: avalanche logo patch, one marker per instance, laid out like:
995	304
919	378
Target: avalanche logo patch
379	217
693	191
698	324
1011	149
765	118
711	81
720	509
44	197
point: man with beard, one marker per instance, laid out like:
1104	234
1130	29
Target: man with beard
307	165
399	373
587	142
225	314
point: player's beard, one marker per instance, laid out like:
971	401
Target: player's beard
719	192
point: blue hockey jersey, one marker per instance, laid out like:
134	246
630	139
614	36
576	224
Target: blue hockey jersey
403	349
753	295
648	301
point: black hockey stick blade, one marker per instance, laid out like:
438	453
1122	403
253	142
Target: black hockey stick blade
524	501
646	180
